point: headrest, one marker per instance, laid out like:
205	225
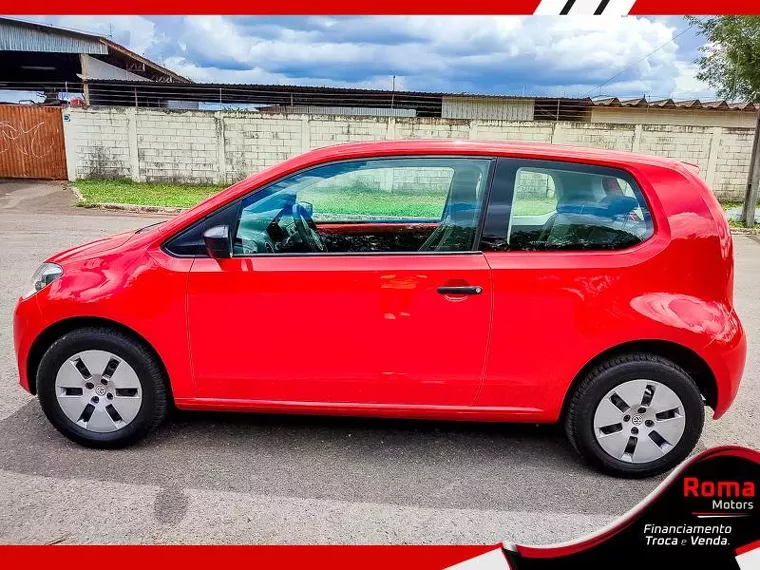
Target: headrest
463	196
610	207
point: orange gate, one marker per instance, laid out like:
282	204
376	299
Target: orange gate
31	142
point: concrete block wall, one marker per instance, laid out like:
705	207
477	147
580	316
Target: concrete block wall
732	163
512	131
176	147
690	144
426	128
204	147
97	145
611	137
325	130
679	116
247	142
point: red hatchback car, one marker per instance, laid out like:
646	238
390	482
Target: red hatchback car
419	279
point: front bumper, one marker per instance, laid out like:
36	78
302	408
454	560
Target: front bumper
28	323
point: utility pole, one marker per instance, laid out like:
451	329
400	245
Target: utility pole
753	180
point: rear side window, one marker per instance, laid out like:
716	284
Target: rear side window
554	206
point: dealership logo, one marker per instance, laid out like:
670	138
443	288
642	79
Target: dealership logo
726	496
694	487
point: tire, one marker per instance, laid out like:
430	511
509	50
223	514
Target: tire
126	376
602	431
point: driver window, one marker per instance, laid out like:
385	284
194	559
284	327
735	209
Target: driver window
368	206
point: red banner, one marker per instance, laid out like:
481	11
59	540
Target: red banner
345	7
221	557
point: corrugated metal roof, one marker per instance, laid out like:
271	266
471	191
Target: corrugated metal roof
16	35
19	35
290	88
721	105
286	89
129	53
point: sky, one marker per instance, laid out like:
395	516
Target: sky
509	55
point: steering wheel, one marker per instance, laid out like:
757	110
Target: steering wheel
307	229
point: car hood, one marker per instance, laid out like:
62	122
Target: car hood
95	247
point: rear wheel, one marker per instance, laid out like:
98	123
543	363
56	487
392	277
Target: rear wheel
101	388
636	415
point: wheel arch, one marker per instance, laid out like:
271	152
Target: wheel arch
56	330
694	365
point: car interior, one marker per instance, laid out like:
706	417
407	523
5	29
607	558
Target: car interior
590	211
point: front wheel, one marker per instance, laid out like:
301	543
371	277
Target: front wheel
101	388
636	415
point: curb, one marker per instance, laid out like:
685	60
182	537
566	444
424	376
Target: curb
132	208
745	231
77	193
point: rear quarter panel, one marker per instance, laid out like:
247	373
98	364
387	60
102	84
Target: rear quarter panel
556	311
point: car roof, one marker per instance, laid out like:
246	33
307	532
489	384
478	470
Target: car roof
485	148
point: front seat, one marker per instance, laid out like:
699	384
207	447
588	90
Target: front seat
460	218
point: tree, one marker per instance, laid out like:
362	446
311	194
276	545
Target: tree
730	60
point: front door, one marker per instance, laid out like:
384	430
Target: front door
320	302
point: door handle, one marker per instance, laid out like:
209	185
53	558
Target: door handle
463	290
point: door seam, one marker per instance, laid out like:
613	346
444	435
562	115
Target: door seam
487	355
193	379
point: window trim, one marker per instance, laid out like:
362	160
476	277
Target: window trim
234	207
506	170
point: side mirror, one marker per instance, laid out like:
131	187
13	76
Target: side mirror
217	240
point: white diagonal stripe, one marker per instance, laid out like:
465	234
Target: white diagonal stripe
619	7
749	560
491	560
550	7
613	8
585	7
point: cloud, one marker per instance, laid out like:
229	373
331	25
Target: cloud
259	75
571	56
688	86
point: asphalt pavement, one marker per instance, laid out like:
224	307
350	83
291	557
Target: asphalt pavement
246	478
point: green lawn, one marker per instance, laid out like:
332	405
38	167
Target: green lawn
356	201
127	192
727	205
534	206
368	202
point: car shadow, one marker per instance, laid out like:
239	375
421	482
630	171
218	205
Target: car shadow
419	463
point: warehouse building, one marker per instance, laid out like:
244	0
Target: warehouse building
40	58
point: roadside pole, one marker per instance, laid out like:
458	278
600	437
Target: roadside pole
753	181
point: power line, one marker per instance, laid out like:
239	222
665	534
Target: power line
619	73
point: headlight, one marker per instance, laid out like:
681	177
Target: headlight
44	276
